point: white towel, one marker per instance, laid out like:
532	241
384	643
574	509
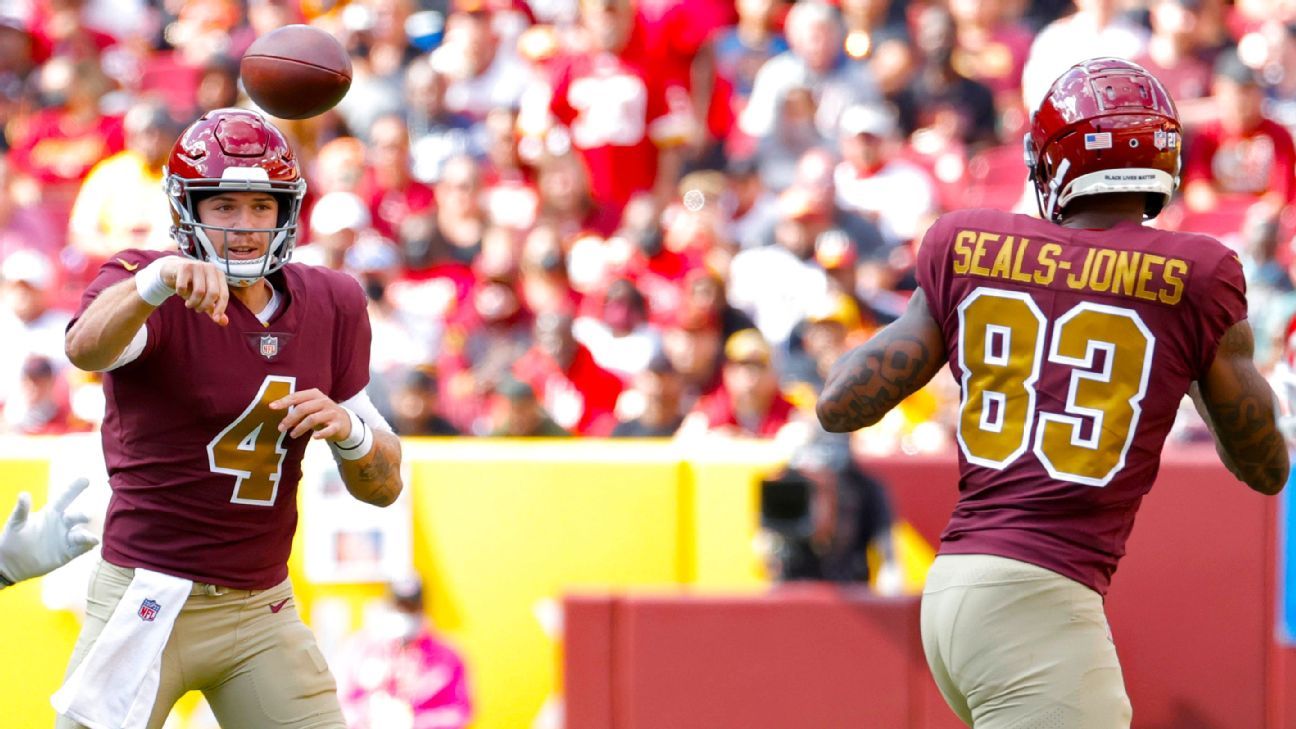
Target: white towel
115	685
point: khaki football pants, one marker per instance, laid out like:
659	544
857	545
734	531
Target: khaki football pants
246	650
1015	646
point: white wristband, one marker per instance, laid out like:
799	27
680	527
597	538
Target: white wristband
356	445
149	284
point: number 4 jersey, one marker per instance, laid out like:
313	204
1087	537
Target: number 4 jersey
204	484
1073	349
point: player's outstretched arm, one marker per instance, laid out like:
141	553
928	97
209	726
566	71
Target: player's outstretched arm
368	458
33	544
1241	411
106	327
874	377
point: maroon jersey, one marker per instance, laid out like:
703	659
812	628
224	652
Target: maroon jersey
1073	349
204	485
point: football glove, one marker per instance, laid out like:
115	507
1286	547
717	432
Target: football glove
33	544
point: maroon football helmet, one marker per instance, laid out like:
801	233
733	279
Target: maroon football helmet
1106	125
233	150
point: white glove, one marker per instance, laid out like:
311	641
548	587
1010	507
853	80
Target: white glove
33	544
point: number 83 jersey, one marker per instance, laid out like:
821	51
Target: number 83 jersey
1073	349
204	484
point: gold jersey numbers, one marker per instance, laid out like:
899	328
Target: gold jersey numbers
1106	349
251	448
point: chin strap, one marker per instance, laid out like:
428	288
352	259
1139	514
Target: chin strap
1048	211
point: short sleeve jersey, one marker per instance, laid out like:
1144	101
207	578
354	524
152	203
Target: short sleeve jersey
204	485
1073	349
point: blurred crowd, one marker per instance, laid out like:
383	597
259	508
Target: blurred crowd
616	217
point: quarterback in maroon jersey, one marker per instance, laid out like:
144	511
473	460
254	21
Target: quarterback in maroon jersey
219	365
1074	338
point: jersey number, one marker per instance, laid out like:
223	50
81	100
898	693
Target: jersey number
1001	349
251	448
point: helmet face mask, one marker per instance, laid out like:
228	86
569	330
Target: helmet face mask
1105	126
233	150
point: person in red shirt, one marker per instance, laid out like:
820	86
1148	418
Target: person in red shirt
57	146
579	394
748	402
1243	157
389	185
623	118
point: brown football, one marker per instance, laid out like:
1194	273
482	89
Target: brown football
296	72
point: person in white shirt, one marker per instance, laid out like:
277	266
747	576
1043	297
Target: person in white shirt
1095	29
873	181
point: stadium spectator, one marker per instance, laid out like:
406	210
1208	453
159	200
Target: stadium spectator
545	285
483	339
337	221
459	220
509	195
692	342
121	203
515	412
1096	28
566	203
877	31
828	332
652	407
749	402
775	285
340	166
991	46
375	37
616	112
743	48
816	59
657	270
23	227
793	133
217	83
1243	158
389	185
704	291
40	404
397	672
1174	53
580	395
29	326
436	133
482	74
617	332
57	146
872	179
938	98
416	406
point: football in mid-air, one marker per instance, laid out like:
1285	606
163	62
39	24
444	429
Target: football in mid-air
296	72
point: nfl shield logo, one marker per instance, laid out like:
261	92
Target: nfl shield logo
269	346
1159	139
148	610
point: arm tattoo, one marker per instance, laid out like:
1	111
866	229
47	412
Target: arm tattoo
873	378
1249	432
1244	419
374	480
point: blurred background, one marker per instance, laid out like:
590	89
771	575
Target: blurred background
611	249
